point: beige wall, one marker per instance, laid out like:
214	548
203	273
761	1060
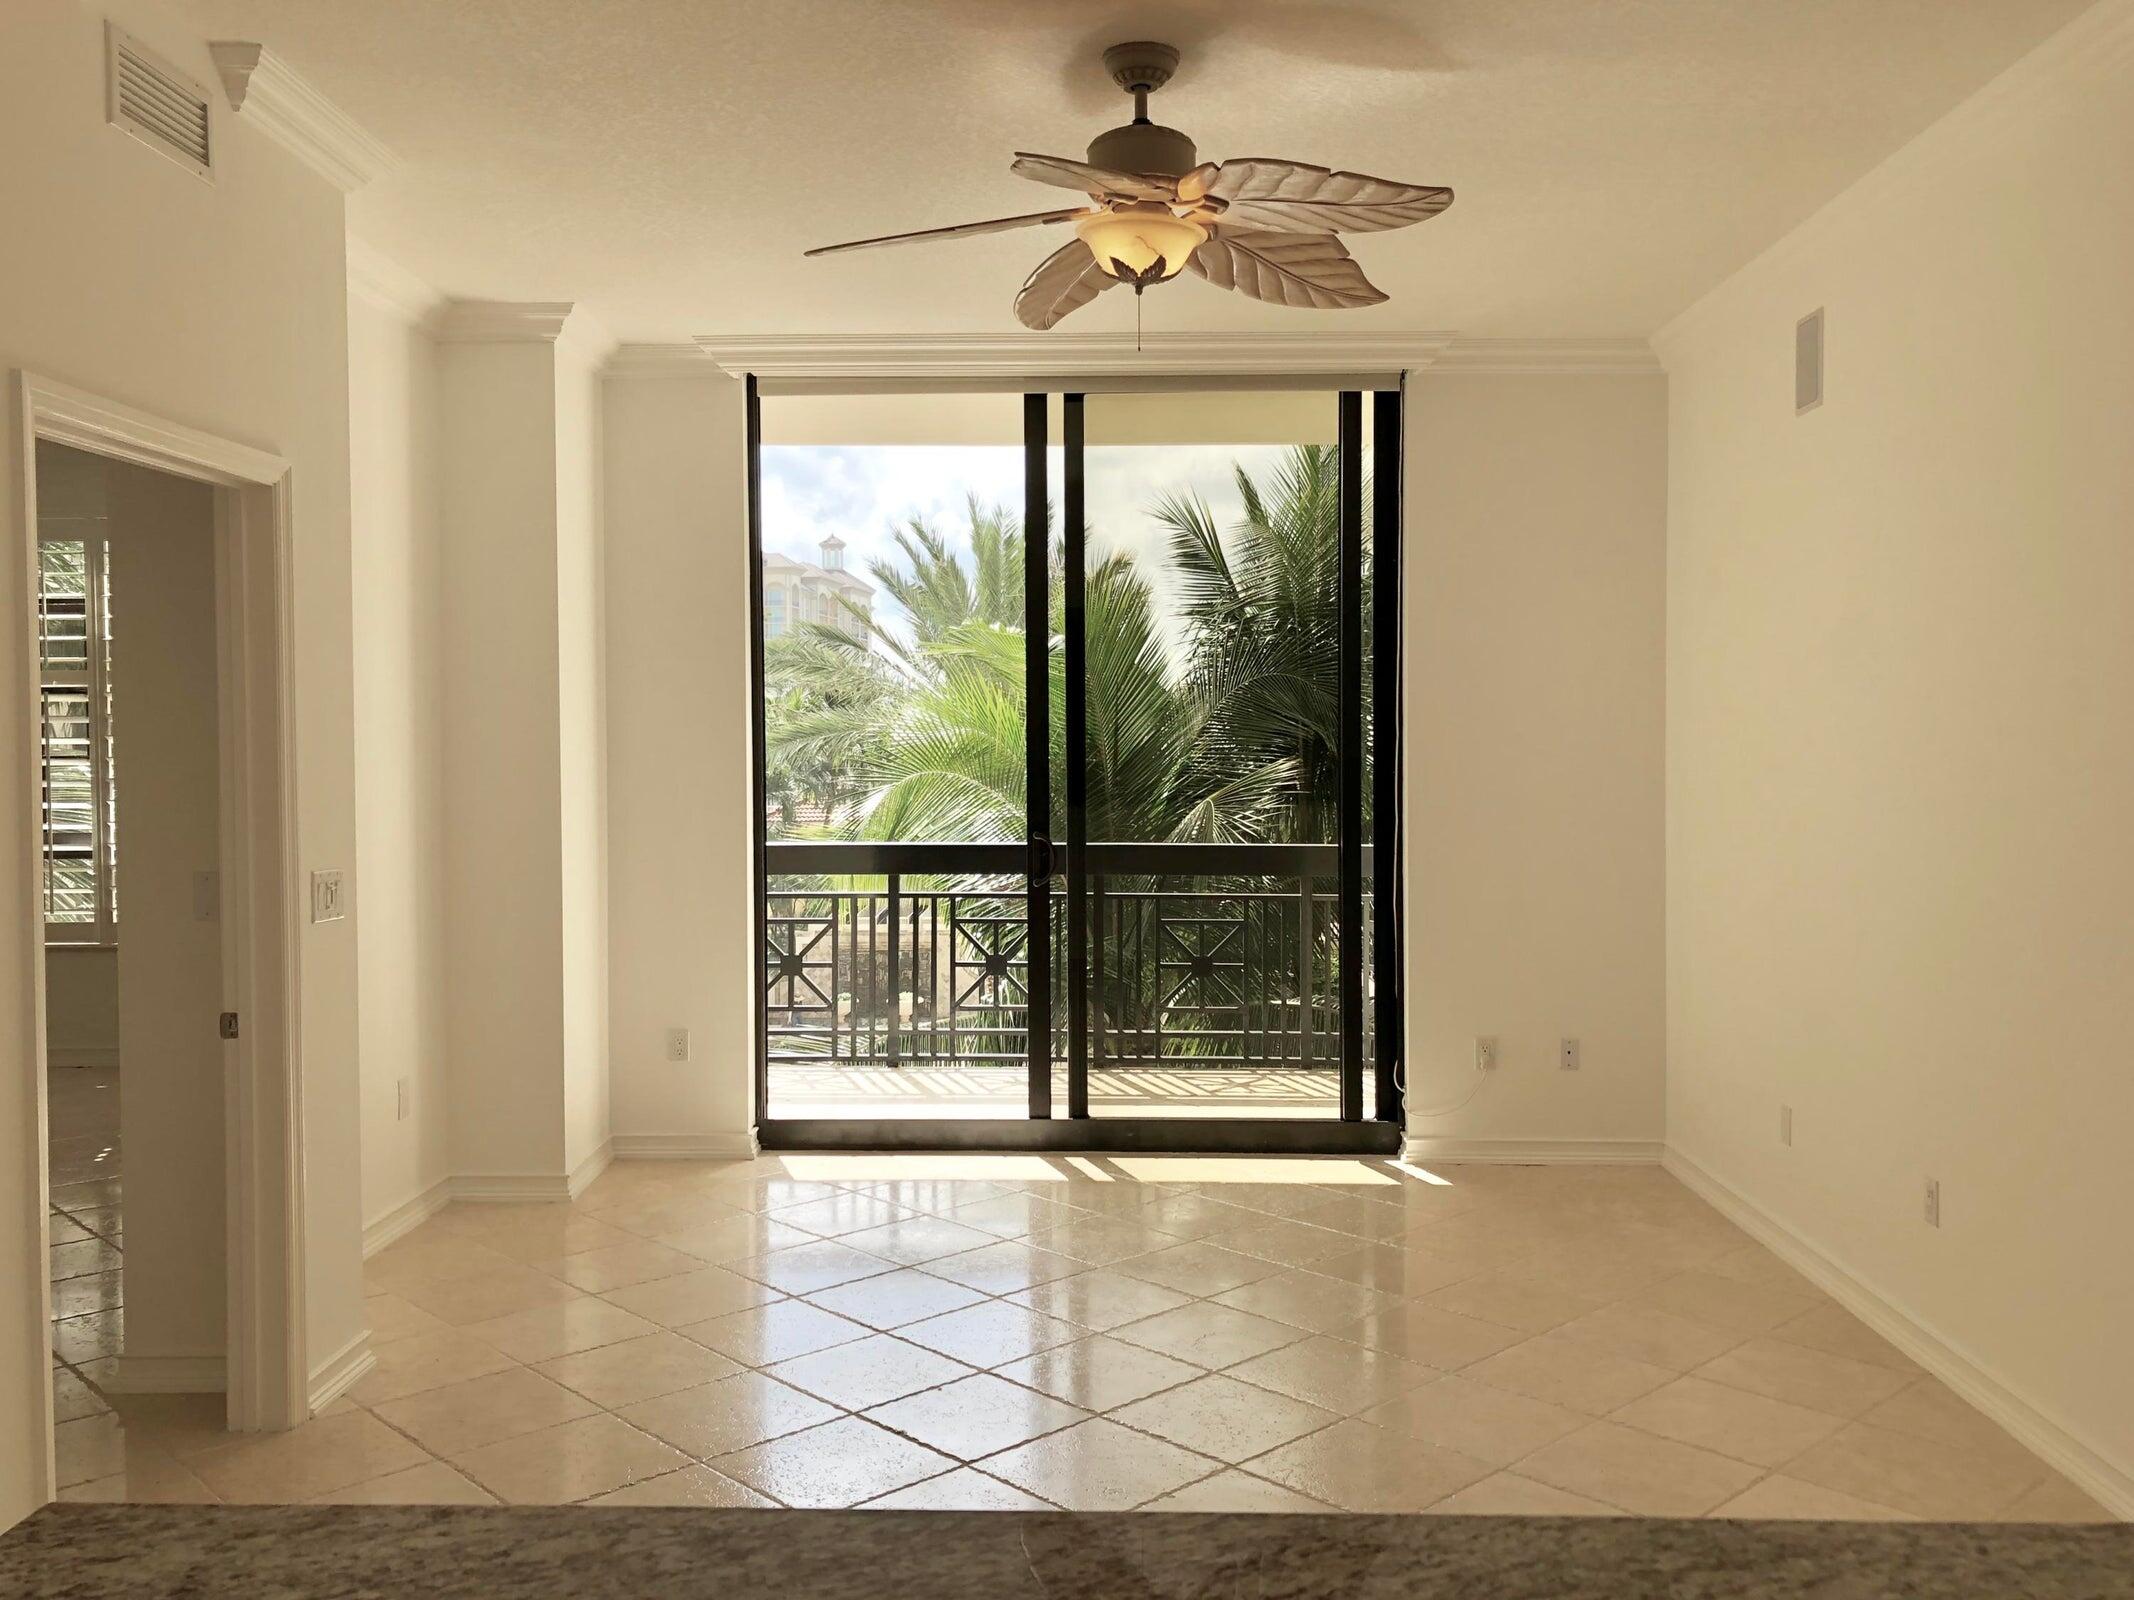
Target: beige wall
163	693
395	460
221	306
1533	568
81	1006
1901	759
678	594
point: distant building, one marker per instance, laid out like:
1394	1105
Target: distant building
809	591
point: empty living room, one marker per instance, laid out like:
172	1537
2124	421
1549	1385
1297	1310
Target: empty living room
979	798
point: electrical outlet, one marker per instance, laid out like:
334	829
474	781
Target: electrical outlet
329	901
1567	1055
1933	1202
677	1044
1785	1125
1485	1052
403	1099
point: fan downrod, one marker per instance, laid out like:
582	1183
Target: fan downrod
1141	67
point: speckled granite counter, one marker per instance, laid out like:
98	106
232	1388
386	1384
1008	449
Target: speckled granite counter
85	1552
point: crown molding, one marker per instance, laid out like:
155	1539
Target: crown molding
267	92
660	361
1597	357
502	321
2096	48
962	357
380	281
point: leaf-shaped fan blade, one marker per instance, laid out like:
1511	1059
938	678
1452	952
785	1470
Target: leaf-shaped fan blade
1286	269
1068	173
1029	219
1064	281
1290	197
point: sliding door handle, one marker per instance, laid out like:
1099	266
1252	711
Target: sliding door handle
1043	858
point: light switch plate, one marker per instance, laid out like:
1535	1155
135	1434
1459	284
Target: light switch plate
207	896
329	901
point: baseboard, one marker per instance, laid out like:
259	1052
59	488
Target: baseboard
340	1372
583	1174
1533	1152
510	1187
167	1375
406	1217
686	1146
2107	1482
61	1055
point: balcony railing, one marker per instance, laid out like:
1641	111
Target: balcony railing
1213	956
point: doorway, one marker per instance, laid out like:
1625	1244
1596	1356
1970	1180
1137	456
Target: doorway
1074	726
222	892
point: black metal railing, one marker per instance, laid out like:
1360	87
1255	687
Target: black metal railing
1203	956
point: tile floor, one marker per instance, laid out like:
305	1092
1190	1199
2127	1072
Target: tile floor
1094	1333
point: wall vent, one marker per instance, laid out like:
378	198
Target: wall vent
155	102
1808	362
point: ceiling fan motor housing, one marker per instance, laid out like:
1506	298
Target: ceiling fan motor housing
1145	147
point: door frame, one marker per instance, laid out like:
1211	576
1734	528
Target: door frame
264	1369
1374	1128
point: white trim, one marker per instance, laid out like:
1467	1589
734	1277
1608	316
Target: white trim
2109	1483
1517	357
1018	356
166	1375
583	1174
60	1055
340	1372
2094	48
502	321
380	281
1423	1149
406	1217
686	1146
262	973
510	1188
267	92
102	427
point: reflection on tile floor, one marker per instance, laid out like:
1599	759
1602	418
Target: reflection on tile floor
1102	1333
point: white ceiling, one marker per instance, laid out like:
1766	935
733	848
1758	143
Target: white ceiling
664	162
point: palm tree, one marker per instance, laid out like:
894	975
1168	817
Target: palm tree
924	737
1263	609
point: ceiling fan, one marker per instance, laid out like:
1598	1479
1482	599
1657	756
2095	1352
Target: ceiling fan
1263	227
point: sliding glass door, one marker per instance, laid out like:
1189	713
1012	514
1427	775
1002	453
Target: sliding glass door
1077	818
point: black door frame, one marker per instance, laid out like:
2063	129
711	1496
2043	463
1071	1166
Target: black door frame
1375	1129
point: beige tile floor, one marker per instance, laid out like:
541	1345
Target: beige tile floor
1101	1333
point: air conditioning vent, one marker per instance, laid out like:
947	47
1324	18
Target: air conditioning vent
155	102
1808	362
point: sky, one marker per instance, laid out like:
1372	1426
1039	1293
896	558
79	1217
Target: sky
863	493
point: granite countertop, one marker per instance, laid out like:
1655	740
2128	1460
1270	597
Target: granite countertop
88	1552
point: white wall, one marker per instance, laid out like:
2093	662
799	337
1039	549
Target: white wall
525	878
396	550
678	595
221	306
504	959
582	773
1534	572
1901	759
164	718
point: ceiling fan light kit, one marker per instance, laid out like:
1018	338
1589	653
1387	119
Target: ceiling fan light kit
1263	227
